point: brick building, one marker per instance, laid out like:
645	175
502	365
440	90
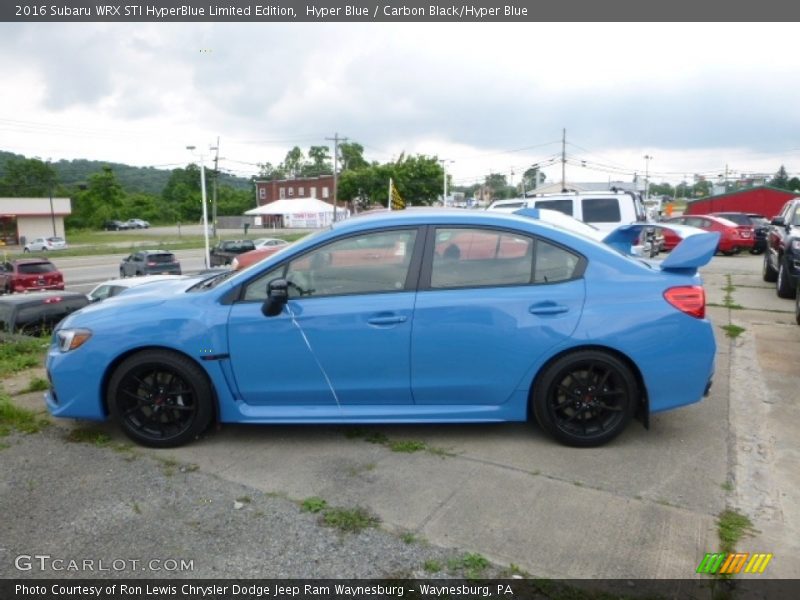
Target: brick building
320	188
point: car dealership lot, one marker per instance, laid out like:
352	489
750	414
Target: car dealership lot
644	505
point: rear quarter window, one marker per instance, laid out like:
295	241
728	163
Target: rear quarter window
562	206
601	210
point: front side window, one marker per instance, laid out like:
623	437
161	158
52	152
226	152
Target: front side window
365	264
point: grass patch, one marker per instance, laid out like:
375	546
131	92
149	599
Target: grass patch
14	418
36	384
18	353
733	331
408	538
313	505
727	486
407	446
85	435
349	520
432	566
732	526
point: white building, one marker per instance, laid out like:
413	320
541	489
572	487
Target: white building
30	218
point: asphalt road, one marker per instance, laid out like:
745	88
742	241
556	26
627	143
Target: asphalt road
644	506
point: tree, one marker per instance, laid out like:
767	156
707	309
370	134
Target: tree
293	163
103	199
27	177
182	194
781	179
417	178
320	162
269	172
352	155
533	178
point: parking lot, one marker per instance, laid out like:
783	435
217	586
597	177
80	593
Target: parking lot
644	506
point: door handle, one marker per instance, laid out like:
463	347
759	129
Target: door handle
548	308
387	320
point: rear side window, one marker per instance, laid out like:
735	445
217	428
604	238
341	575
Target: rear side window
601	210
36	268
554	263
478	258
563	206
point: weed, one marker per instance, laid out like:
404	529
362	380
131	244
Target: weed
14	418
376	437
733	331
350	520
36	384
514	570
85	435
474	565
732	526
408	446
244	499
136	508
727	486
432	566
408	538
313	505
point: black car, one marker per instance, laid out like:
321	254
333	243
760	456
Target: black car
760	225
149	262
37	313
782	258
114	225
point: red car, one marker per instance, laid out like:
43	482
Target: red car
28	274
734	238
245	259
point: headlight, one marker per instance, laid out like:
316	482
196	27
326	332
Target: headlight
70	339
796	245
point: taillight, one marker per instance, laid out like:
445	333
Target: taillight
690	299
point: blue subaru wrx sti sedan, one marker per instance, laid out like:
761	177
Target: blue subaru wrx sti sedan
403	317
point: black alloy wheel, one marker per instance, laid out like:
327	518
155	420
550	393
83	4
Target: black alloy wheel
783	285
160	398
768	274
585	398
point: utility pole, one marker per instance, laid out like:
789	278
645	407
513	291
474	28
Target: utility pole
336	139
564	160
214	190
647	159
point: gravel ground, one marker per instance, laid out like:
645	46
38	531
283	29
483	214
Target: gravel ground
110	503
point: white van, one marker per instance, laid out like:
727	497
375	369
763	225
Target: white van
604	210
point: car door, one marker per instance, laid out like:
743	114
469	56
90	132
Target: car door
486	312
342	338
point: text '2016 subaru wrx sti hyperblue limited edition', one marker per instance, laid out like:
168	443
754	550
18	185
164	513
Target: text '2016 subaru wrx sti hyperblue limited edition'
415	316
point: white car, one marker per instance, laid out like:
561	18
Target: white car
269	242
43	244
137	224
114	287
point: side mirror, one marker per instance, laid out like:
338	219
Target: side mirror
277	296
778	221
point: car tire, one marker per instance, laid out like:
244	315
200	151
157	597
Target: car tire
585	398
797	303
160	398
768	274
783	284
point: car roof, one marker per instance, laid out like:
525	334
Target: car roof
35	297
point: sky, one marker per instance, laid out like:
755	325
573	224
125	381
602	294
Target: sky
698	98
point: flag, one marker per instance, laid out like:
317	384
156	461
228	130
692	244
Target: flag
396	201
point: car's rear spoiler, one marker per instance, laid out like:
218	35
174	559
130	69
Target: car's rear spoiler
696	249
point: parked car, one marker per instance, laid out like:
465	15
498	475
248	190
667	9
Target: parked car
782	257
114	225
43	244
27	274
559	332
733	238
137	224
38	313
223	253
246	259
269	242
759	223
149	262
605	210
114	287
